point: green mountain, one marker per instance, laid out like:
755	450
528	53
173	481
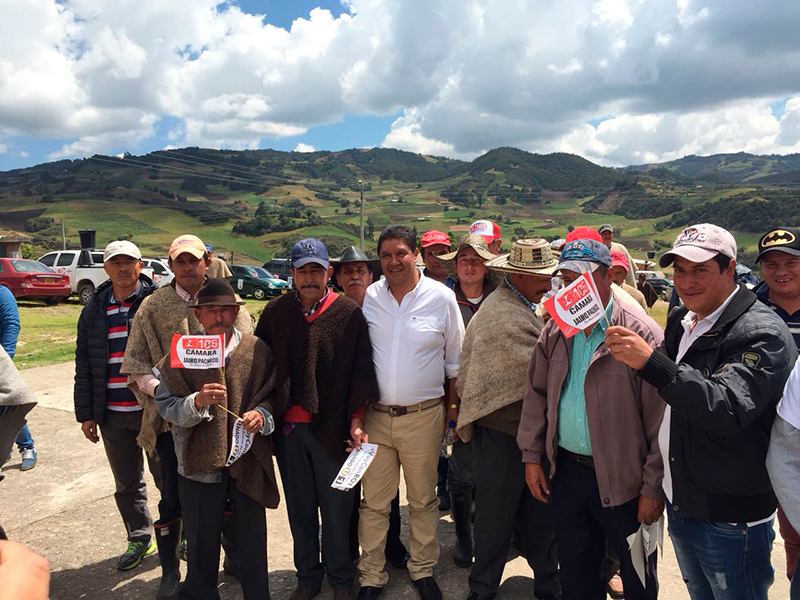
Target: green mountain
256	203
725	167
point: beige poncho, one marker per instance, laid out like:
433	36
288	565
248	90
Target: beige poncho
161	315
497	348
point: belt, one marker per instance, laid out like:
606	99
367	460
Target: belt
399	411
584	461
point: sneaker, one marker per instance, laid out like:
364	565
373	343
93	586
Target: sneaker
134	554
29	458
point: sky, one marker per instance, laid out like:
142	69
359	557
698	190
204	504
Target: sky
616	81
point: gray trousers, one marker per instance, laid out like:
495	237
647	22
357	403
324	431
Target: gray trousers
119	433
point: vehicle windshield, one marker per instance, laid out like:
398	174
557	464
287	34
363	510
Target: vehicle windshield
263	273
30	266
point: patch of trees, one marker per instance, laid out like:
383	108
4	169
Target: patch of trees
743	212
270	219
38	224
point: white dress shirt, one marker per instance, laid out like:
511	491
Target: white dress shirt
690	334
415	343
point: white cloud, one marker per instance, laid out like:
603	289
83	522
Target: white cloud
301	147
24	154
466	76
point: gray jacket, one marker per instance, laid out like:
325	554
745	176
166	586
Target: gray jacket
783	465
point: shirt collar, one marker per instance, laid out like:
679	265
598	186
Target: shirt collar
711	319
531	305
316	306
135	293
187	297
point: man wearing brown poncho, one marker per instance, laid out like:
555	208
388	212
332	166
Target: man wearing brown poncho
196	402
165	312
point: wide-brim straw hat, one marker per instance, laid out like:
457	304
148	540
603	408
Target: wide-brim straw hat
527	257
477	243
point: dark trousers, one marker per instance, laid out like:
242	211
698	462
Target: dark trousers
583	527
501	495
441	476
169	507
203	507
119	431
307	470
459	469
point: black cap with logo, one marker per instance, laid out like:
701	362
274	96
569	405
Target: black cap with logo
783	239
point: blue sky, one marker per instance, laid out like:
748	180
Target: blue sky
350	132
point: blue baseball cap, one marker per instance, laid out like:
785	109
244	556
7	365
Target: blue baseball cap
584	256
310	250
209	247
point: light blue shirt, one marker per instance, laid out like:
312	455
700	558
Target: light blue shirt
573	425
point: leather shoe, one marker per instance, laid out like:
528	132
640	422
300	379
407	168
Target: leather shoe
369	593
343	593
477	596
428	589
302	593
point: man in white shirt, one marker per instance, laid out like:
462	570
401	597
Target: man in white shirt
416	329
727	359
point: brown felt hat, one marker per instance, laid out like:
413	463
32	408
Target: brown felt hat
216	292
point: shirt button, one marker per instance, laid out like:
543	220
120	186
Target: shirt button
606	501
675	508
671	459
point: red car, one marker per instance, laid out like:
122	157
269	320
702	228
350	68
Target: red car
31	279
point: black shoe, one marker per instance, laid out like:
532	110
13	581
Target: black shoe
369	593
462	552
477	596
444	503
428	589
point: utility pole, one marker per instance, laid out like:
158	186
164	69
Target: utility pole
63	236
361	189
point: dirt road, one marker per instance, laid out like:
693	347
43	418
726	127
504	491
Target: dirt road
64	509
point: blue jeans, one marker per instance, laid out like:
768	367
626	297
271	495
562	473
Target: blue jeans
24	439
720	561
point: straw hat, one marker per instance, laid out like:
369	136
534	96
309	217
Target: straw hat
477	243
527	257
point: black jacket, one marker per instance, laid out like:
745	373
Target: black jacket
91	352
723	396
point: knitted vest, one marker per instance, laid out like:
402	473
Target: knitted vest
249	378
161	315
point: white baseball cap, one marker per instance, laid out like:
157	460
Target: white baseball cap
123	247
700	243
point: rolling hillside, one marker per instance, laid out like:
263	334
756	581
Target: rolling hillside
256	203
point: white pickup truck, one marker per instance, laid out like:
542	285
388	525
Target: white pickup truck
84	268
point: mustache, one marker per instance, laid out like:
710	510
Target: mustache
310	285
353	282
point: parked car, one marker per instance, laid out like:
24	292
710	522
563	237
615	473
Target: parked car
279	267
34	280
161	273
662	286
84	269
256	282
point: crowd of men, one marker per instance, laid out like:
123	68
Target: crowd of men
564	445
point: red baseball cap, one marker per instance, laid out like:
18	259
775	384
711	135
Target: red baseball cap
618	259
584	233
433	237
488	230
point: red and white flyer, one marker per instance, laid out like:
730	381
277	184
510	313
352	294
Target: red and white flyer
576	307
197	351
